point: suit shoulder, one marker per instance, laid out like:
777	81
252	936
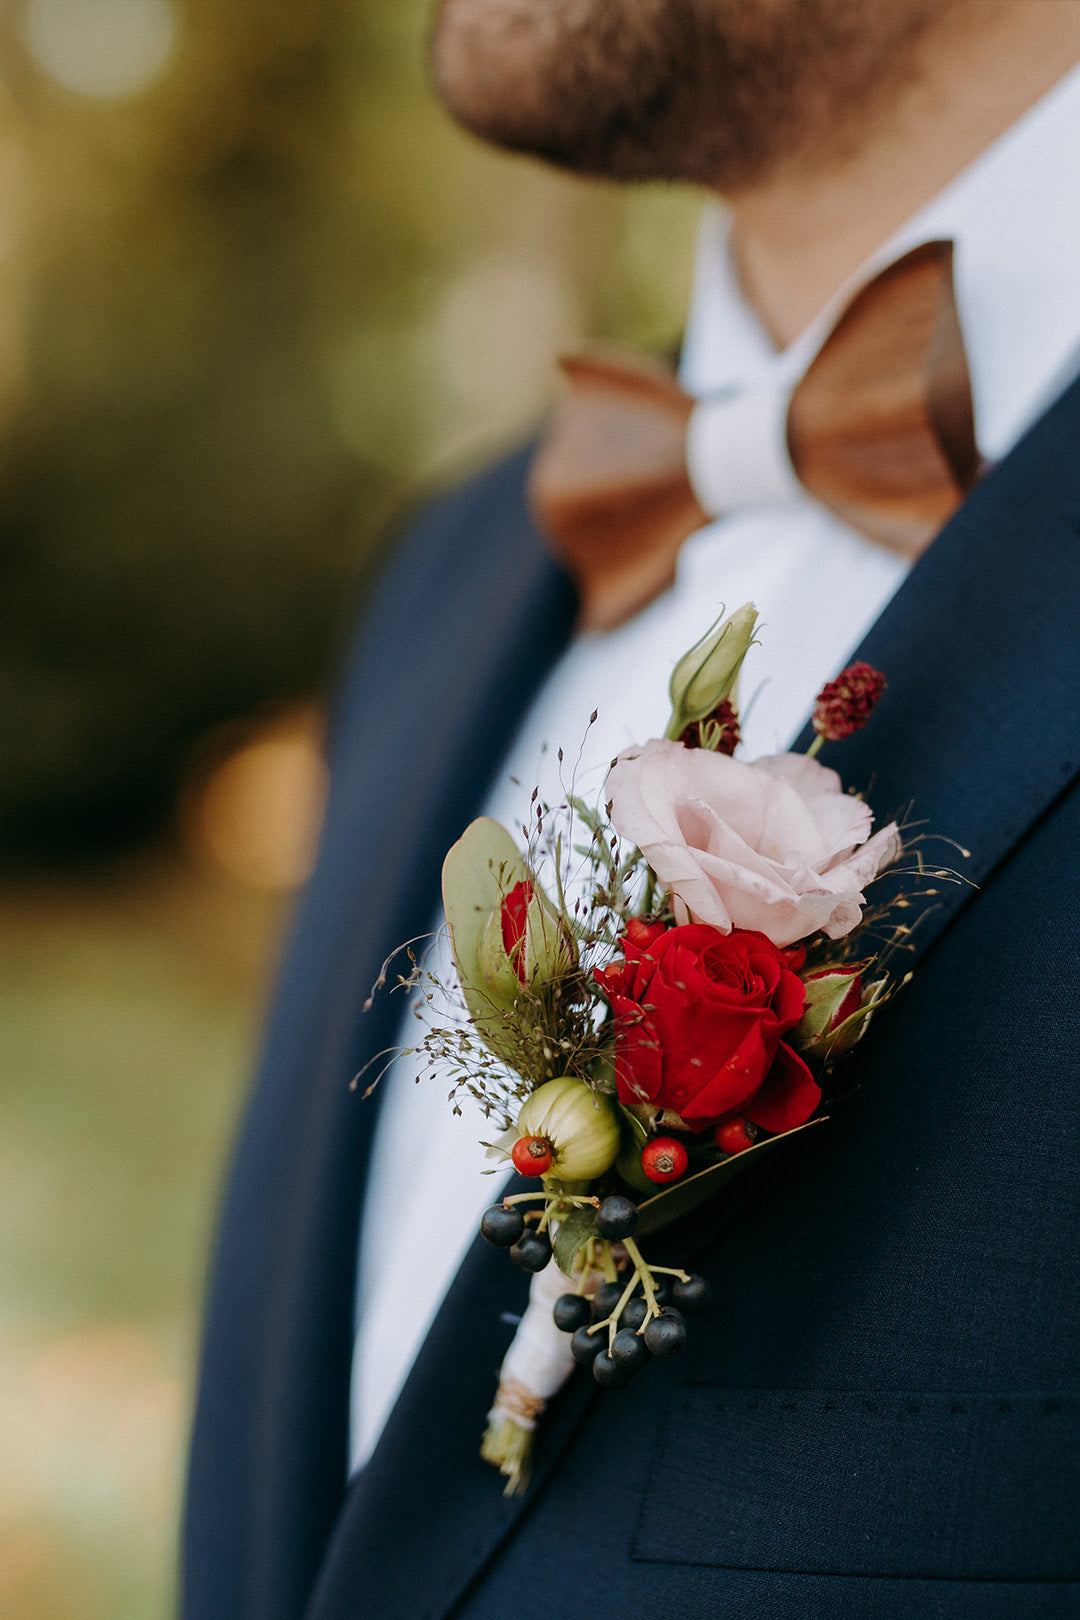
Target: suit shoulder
469	569
460	528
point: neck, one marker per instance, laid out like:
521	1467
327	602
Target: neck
800	235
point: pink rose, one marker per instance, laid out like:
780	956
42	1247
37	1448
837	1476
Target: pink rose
776	846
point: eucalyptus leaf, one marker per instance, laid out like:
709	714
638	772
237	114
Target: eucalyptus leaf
685	1196
479	871
574	1231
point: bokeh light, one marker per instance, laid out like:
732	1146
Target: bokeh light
257	815
255	291
102	47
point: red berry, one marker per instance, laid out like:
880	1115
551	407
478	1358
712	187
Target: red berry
532	1155
735	1135
664	1159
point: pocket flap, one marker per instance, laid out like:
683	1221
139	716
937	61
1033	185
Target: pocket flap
940	1486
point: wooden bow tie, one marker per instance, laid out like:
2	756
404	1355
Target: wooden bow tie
879	430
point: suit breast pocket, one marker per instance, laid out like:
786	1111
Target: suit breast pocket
936	1486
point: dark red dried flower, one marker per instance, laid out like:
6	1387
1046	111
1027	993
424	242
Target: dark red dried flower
718	730
844	705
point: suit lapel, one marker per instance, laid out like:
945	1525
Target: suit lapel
483	612
979	730
978	733
425	1492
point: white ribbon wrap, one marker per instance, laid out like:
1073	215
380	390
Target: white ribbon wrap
538	1361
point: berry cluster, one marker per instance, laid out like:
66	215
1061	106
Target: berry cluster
506	1228
643	1310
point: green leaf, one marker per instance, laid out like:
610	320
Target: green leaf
678	1200
638	1131
573	1233
588	815
599	848
628	1164
479	871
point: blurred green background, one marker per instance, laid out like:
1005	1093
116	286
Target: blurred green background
255	294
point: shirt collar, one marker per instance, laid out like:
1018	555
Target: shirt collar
1014	216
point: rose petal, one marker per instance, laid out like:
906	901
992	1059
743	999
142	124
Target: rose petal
733	1081
638	1054
788	1097
775	846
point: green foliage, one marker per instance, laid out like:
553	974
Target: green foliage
249	309
574	1231
478	873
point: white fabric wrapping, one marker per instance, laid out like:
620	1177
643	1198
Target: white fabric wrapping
539	1354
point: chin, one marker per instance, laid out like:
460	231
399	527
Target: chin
719	92
491	64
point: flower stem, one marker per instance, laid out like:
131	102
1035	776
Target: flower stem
510	1448
555	1199
613	1319
648	899
642	1270
815	747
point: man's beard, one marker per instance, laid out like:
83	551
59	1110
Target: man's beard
722	92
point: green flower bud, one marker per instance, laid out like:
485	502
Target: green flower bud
706	675
838	1011
524	942
581	1125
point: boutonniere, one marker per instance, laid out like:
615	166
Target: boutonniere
653	994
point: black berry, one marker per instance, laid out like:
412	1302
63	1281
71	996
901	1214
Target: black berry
629	1350
666	1333
586	1346
502	1226
662	1290
605	1299
532	1252
608	1372
617	1217
634	1312
692	1296
571	1312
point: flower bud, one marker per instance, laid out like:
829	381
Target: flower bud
706	675
524	943
581	1125
838	1009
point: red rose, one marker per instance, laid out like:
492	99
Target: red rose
699	1017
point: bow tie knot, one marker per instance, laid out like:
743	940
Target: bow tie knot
879	430
737	452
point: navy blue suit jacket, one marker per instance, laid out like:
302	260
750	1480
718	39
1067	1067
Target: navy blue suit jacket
881	1415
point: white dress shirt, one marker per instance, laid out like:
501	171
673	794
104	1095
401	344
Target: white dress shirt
1014	216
